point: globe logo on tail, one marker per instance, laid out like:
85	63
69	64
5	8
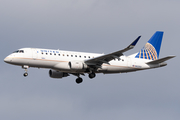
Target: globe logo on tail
148	52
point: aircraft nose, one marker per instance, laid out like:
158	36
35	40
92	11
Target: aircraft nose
7	59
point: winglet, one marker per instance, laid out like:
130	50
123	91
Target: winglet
134	42
108	57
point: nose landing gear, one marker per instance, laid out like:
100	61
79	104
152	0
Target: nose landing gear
25	74
25	68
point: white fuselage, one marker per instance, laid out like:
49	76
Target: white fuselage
63	63
59	60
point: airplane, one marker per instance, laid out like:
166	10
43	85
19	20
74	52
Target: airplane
63	63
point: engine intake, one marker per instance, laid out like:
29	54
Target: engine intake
57	74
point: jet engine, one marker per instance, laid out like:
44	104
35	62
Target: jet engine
57	74
77	65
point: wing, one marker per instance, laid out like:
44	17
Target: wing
108	57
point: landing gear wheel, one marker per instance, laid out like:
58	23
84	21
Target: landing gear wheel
79	80
92	75
25	74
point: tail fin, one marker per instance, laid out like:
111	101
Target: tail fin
151	49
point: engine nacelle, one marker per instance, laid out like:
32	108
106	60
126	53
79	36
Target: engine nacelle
77	65
57	74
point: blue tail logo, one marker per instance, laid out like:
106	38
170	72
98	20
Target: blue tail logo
152	48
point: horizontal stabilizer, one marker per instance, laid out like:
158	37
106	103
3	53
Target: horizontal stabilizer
158	61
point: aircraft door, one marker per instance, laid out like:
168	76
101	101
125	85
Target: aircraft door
34	54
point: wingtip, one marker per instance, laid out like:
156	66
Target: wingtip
134	42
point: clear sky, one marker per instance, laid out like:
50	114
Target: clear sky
100	26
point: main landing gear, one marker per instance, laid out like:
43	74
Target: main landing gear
25	68
92	75
80	80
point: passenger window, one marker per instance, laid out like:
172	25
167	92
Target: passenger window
75	55
59	54
79	56
50	53
89	56
54	53
84	56
42	52
71	55
46	53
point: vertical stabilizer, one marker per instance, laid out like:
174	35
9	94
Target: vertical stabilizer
151	49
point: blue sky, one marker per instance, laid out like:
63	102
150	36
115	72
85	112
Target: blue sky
100	26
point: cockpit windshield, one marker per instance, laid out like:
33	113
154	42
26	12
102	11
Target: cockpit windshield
19	51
